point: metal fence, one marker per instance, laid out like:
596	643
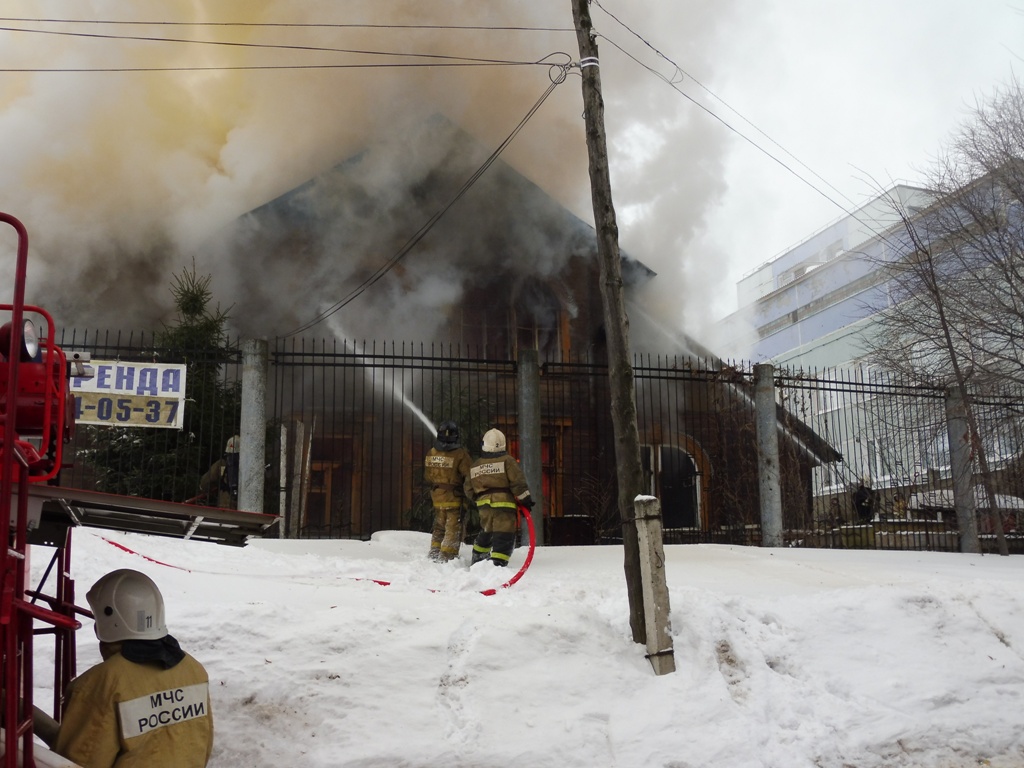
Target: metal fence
352	421
894	487
154	462
348	424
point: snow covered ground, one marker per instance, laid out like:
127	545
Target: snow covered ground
785	658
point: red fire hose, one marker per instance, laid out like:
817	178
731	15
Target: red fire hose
529	555
494	590
519	574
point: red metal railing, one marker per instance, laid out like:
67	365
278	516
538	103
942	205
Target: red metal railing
33	402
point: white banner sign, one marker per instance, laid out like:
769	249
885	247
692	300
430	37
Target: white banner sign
124	394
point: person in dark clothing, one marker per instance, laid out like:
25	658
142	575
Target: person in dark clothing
864	503
445	468
220	483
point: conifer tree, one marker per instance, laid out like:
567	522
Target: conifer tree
163	463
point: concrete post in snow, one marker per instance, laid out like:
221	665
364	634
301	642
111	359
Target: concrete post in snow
769	478
529	438
964	501
252	457
647	515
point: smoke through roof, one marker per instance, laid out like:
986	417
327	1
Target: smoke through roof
122	177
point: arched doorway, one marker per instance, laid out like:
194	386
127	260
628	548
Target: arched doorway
679	486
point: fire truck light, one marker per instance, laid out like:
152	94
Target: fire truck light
29	341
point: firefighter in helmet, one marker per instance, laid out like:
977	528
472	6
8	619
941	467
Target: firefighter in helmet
497	485
148	702
444	469
220	483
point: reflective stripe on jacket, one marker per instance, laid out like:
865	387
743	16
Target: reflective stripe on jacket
497	482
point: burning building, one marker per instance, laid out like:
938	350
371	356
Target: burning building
408	250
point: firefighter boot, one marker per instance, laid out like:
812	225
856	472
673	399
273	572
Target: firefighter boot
481	547
501	551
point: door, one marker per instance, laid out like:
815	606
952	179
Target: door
680	485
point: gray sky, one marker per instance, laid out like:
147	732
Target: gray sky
108	169
863	92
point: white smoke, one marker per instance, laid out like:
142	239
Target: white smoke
123	177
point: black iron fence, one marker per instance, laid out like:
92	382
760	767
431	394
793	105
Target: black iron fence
894	487
352	421
152	419
863	458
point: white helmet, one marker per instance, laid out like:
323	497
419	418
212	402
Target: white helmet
233	444
494	441
127	606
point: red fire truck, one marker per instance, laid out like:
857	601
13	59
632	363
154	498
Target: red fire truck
36	421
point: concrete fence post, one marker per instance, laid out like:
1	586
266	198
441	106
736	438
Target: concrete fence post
959	435
530	438
769	478
252	457
647	514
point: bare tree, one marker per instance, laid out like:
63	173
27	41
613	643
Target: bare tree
955	313
957	290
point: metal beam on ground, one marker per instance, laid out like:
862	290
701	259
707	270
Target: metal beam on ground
110	511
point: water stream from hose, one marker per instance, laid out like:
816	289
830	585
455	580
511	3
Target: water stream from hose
390	388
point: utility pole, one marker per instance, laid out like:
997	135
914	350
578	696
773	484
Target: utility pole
620	368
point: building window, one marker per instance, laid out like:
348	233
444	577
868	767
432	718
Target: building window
537	314
533	320
485	332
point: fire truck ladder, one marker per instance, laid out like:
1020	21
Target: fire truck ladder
35	421
33	392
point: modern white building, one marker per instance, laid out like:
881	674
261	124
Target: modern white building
810	307
810	310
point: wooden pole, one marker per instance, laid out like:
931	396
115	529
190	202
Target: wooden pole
616	324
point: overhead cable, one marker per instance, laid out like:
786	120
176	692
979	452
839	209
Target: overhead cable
271	46
418	236
285	25
674	81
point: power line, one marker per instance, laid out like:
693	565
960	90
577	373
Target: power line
422	232
673	83
259	67
273	46
272	25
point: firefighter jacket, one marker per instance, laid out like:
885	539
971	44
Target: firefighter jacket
214	484
496	480
120	714
445	472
